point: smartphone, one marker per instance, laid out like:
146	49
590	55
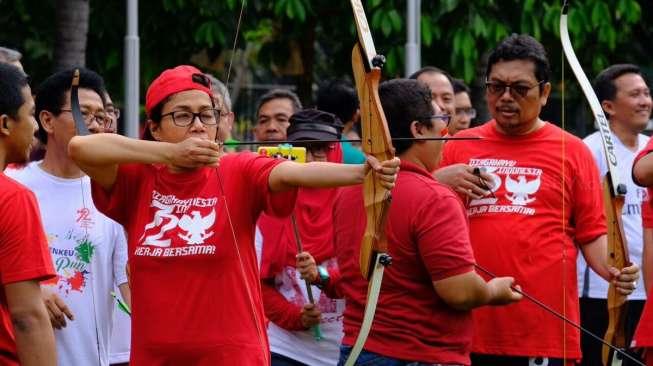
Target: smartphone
284	151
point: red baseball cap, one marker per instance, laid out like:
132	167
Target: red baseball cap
172	81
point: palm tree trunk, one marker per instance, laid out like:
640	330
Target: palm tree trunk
72	28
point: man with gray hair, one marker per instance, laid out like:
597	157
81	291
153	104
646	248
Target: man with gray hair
273	112
10	56
222	101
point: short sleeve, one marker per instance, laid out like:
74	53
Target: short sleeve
24	253
443	240
647	150
647	211
121	200
259	168
587	198
119	254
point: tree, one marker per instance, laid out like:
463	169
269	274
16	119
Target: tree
72	27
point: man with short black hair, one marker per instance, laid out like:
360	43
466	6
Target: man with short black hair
273	113
626	101
424	308
543	209
465	112
340	98
88	249
441	85
24	256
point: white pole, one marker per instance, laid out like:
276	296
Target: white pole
413	41
132	62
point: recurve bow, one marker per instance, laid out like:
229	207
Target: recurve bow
613	196
376	142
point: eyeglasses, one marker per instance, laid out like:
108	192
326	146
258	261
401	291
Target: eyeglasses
469	112
438	117
208	117
516	90
113	111
100	118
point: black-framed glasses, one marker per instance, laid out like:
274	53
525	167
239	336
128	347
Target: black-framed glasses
469	112
437	117
516	90
100	118
208	117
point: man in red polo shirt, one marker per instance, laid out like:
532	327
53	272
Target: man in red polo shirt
424	308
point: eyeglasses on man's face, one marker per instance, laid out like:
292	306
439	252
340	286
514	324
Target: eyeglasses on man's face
100	118
469	112
445	118
517	90
208	117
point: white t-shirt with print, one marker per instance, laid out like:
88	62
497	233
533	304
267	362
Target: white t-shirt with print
589	283
89	252
301	345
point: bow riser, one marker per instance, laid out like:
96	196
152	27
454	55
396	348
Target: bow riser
618	258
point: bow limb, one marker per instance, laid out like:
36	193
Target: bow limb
613	194
78	118
376	141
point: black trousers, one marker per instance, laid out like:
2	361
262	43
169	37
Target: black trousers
594	317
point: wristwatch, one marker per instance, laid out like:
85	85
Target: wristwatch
323	273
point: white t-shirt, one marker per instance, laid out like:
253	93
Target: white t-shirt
589	283
120	344
89	252
301	345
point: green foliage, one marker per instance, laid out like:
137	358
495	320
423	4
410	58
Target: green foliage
455	35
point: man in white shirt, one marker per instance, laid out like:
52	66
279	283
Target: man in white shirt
626	101
88	249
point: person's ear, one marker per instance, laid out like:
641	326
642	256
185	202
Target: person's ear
155	129
47	121
608	107
4	124
416	129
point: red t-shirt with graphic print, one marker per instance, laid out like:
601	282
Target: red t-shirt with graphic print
644	333
428	241
24	253
543	203
196	292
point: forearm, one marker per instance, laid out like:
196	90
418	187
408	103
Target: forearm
34	339
31	323
465	292
111	149
279	310
596	256
647	259
288	175
125	292
643	171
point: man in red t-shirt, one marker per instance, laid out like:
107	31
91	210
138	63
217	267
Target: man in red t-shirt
427	294
546	201
190	212
24	256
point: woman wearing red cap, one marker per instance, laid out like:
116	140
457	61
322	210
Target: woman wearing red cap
190	215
